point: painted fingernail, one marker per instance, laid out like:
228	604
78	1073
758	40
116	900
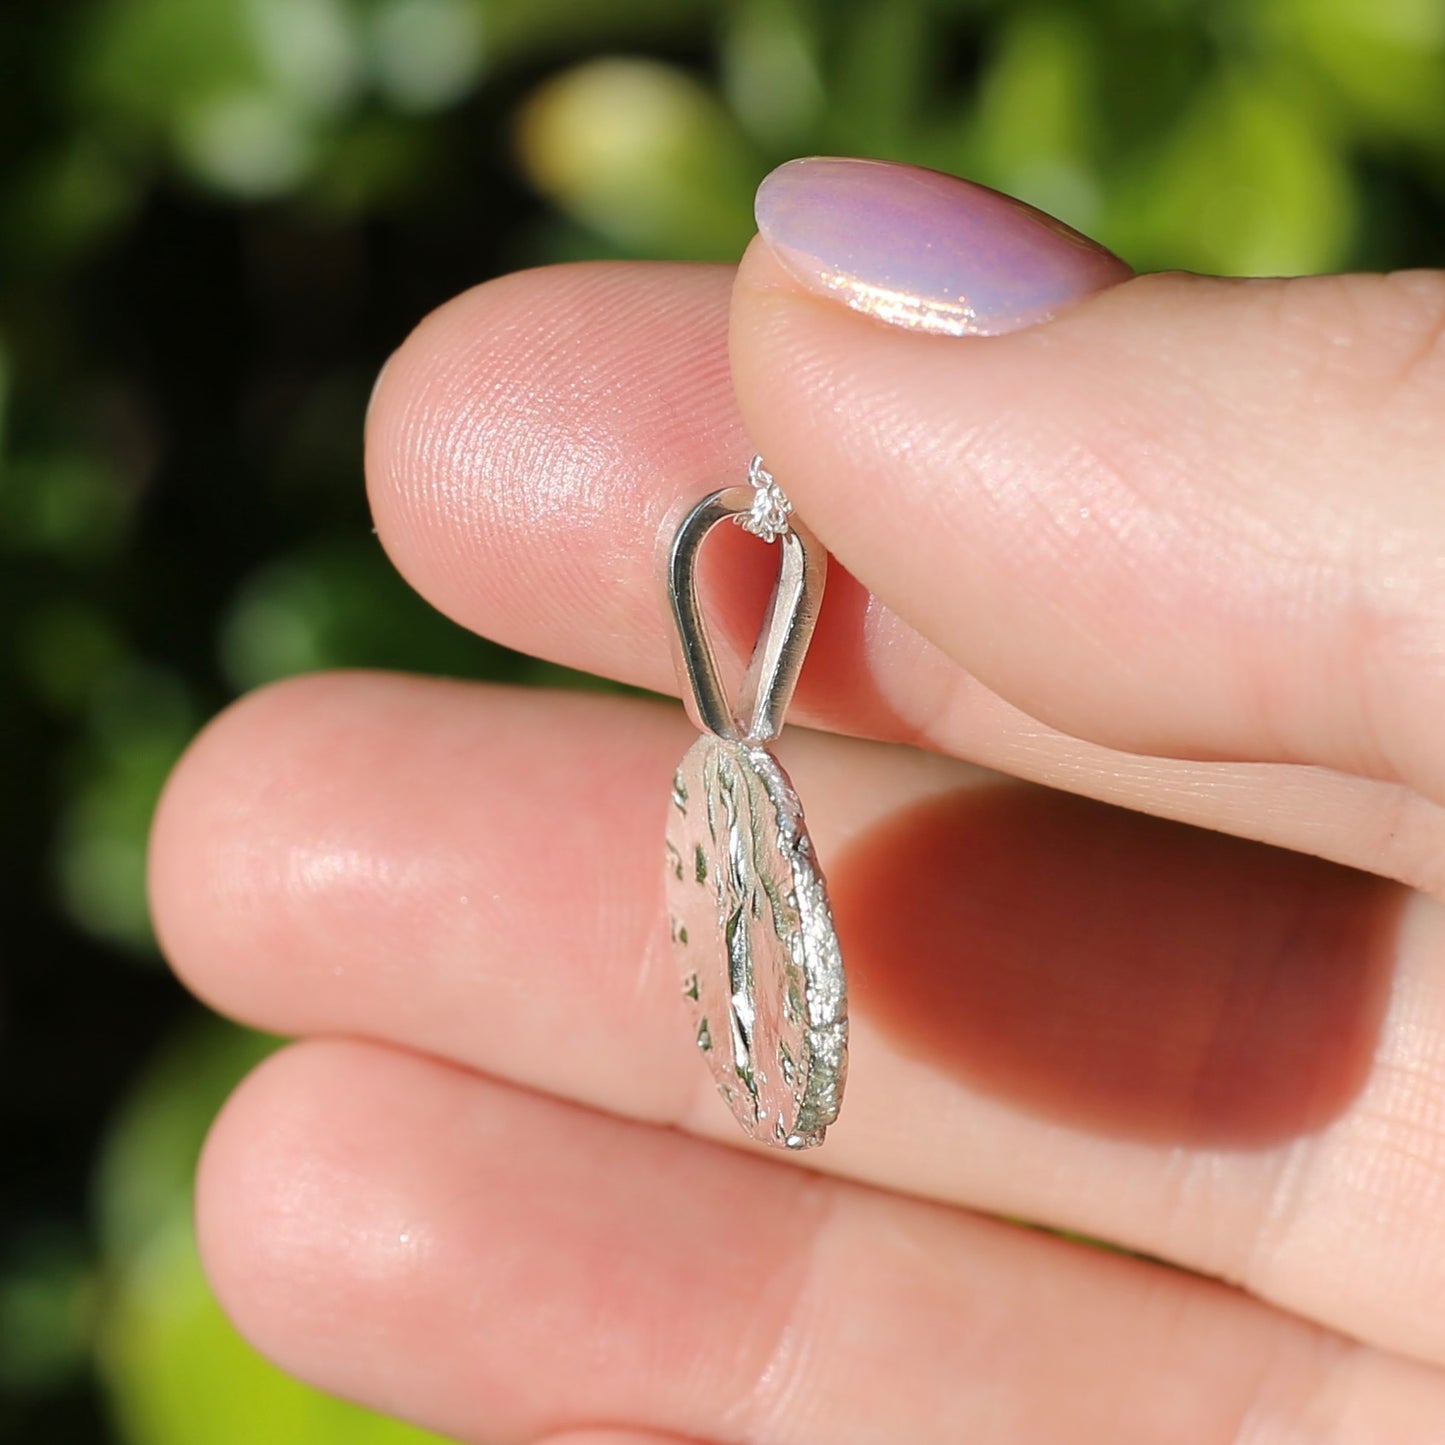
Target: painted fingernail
926	250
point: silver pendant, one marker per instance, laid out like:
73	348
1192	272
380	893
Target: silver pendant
751	926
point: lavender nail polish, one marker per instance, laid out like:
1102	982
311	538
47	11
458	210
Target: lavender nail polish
925	250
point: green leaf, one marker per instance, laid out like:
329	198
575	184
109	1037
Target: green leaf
644	154
239	89
426	54
1249	182
1381	64
878	79
343	604
1035	134
771	70
518	29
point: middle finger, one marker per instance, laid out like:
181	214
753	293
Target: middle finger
1201	1048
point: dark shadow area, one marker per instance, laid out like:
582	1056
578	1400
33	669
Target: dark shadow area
1121	973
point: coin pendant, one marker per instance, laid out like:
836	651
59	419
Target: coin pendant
753	934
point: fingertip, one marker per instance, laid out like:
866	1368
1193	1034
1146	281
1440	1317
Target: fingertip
551	413
262	1200
219	833
290	1242
186	851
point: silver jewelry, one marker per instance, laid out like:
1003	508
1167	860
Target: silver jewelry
751	925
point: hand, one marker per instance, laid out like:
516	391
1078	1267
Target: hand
1176	549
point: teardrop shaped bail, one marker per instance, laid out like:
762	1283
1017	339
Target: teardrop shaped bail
767	687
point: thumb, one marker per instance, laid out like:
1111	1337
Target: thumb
1172	514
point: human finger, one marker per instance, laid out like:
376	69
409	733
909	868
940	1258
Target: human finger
524	447
1175	515
499	1266
1198	1047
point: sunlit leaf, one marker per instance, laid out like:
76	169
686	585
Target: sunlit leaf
239	88
1034	132
249	144
1246	183
643	153
771	70
1383	62
426	54
311	51
144	62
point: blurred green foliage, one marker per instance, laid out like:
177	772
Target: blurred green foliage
219	215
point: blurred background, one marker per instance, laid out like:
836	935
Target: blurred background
217	217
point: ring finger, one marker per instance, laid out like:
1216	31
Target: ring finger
501	1266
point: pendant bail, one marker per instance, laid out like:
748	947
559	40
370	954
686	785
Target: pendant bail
767	687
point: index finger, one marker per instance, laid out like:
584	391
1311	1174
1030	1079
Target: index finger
526	443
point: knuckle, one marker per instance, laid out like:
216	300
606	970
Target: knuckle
1413	317
1377	341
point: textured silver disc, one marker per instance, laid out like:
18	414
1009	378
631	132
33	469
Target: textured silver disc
753	935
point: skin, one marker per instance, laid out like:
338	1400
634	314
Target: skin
1176	553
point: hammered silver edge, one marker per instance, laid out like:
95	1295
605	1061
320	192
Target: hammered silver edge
825	980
